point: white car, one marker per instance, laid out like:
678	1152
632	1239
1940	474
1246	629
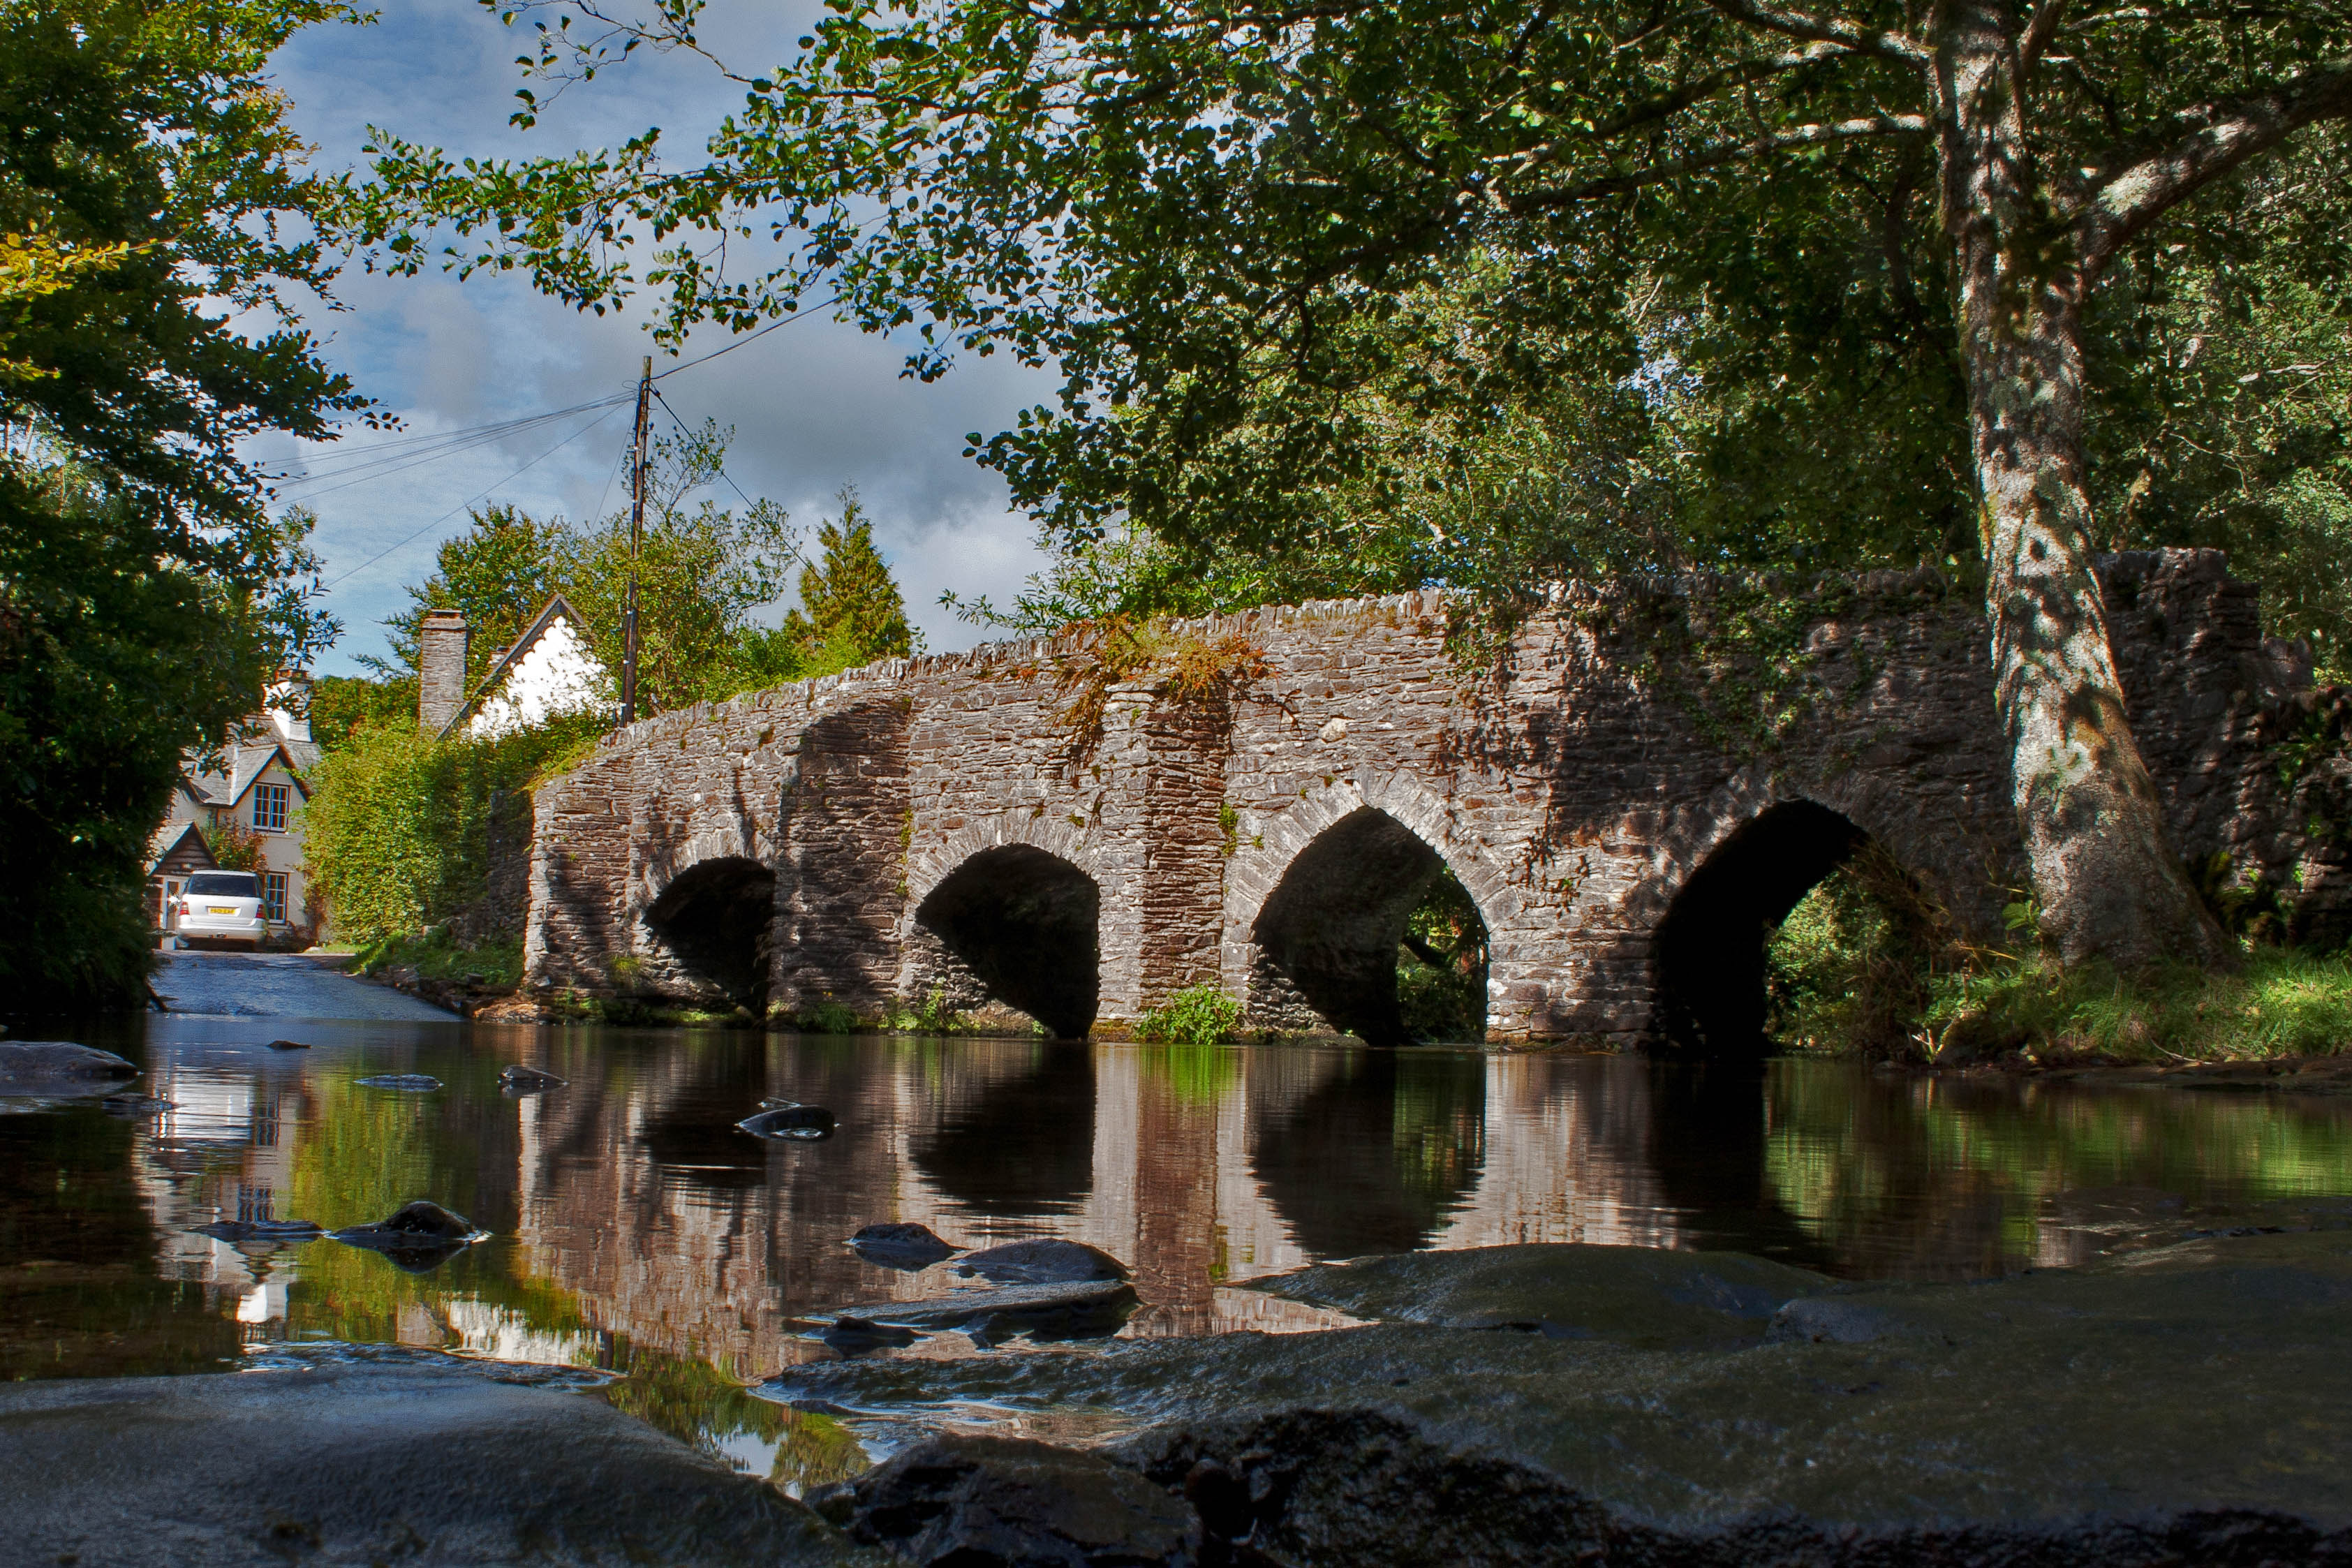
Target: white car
221	906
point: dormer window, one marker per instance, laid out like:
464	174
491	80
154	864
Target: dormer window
270	808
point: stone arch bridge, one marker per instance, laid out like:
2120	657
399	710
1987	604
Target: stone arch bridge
1629	791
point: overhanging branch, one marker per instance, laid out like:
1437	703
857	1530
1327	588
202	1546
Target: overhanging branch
1886	45
2125	204
1793	140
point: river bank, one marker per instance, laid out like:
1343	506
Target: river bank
1505	1406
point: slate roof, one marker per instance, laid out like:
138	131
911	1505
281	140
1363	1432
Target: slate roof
167	839
242	764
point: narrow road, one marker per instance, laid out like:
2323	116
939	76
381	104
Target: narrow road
279	986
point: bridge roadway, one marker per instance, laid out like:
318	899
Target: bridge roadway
1630	791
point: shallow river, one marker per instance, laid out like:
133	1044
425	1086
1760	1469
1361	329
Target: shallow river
633	1227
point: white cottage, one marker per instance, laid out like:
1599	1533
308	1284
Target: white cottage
550	671
253	788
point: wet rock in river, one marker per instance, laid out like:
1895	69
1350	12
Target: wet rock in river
49	1064
1635	1294
421	1238
1081	1309
1005	1500
855	1336
797	1123
2187	1404
137	1104
409	1082
1043	1260
431	1467
902	1246
520	1078
289	1045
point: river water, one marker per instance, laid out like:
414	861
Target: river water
634	1229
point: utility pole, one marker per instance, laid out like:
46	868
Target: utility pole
637	541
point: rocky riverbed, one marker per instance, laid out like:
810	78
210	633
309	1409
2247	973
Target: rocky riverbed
1524	1405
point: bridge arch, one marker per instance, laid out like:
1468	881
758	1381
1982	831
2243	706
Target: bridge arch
712	931
1709	944
1343	877
1013	925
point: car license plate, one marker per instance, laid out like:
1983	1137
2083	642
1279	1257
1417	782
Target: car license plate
221	909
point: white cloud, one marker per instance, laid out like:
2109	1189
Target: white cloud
816	406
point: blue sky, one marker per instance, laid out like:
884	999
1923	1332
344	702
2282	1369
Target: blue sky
816	406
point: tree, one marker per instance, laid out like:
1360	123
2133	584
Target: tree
1195	211
498	573
700	571
851	612
146	592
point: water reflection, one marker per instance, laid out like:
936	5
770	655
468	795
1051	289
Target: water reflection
635	1227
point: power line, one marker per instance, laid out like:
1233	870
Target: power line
409	446
464	504
730	348
690	436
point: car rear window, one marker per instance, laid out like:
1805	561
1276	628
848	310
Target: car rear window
226	885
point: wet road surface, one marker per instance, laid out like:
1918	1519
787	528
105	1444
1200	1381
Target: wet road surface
279	986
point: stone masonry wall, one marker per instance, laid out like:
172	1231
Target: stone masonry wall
1573	785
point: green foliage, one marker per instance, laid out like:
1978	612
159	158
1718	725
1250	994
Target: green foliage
398	826
1441	965
499	573
146	594
1197	1016
342	705
436	955
2283	1001
1854	967
851	613
235	846
827	1017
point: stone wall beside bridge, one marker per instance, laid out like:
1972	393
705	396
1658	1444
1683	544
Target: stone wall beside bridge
1070	830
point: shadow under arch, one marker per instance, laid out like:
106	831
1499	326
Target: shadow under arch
1023	1145
1330	933
1377	1156
1710	946
718	919
1025	923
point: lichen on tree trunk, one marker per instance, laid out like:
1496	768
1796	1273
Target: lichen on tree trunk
2108	884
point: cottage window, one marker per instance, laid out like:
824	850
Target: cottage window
273	894
270	808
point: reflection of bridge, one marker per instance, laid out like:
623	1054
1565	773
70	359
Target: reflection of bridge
1627	800
1200	1170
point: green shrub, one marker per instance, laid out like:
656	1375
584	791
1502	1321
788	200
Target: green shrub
1853	965
1196	1016
827	1017
398	829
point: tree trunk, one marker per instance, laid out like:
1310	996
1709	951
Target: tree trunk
2107	881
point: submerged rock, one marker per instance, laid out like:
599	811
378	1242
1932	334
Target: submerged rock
55	1063
523	1079
289	1045
137	1104
855	1336
412	1083
1083	1309
902	1246
435	1467
419	1239
798	1123
1004	1501
262	1230
1635	1294
1043	1260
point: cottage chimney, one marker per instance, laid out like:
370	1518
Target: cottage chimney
440	669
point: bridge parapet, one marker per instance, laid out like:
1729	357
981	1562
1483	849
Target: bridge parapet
1254	801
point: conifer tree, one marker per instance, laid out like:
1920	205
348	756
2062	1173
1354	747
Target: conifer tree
851	610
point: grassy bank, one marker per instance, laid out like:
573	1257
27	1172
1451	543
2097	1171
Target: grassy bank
1866	966
434	956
